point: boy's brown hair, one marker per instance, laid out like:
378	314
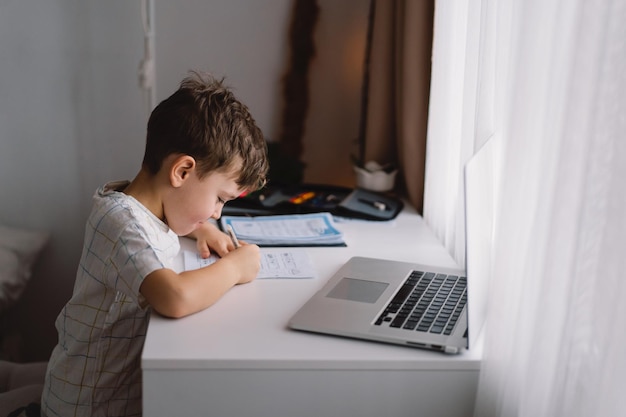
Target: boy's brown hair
203	119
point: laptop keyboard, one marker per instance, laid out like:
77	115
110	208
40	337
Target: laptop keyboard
427	302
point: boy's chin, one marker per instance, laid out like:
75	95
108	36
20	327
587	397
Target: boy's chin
182	231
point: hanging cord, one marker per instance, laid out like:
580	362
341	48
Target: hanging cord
147	70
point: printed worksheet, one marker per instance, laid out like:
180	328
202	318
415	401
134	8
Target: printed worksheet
313	229
274	264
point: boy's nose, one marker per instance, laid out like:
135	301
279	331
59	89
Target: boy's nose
217	213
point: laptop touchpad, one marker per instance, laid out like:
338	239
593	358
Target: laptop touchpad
358	290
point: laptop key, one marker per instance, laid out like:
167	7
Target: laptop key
436	329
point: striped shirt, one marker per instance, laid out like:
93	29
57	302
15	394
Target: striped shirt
95	369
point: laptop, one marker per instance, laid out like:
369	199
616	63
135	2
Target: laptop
412	304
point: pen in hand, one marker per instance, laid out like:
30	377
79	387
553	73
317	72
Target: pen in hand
233	237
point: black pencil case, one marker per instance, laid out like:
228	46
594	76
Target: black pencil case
313	198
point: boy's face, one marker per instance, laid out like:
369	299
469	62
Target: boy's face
197	200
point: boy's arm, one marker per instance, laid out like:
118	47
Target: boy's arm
178	295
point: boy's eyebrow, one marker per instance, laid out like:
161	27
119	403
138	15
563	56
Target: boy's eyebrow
230	196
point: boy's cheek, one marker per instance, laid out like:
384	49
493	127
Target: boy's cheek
183	229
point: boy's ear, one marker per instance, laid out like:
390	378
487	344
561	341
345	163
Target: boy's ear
181	169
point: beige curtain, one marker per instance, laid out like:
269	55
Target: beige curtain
397	89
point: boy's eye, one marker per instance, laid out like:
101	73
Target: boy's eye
221	201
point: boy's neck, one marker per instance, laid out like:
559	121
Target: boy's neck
145	189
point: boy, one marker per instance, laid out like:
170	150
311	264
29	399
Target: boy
202	149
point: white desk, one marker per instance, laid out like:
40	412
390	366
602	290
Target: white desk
239	359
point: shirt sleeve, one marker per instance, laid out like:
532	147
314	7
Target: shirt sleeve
132	259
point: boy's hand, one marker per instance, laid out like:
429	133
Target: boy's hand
247	259
209	237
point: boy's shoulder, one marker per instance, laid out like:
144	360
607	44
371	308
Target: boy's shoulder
113	211
110	201
118	217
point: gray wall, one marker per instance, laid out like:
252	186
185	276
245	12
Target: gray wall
73	117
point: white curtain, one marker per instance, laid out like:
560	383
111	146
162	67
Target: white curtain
549	85
452	121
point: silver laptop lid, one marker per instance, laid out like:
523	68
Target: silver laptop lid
480	188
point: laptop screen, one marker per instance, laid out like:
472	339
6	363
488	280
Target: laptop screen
480	188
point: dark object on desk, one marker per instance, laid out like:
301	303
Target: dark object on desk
310	198
369	205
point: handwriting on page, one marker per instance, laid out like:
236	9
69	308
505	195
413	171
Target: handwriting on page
274	264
